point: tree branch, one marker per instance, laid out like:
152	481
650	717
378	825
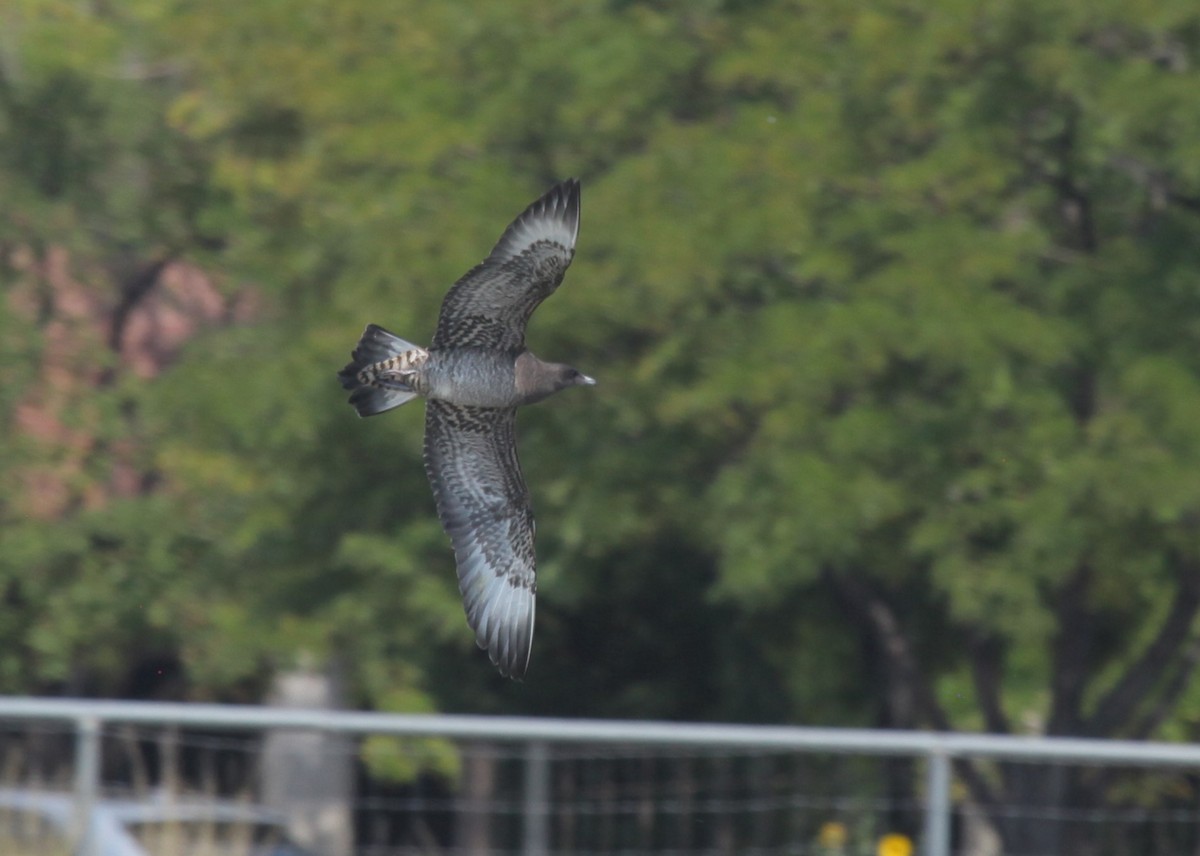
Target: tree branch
1188	203
1116	708
871	609
133	289
1069	654
1160	187
884	628
1174	689
987	671
6	88
1076	204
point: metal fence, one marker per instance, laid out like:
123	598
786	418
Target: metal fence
473	785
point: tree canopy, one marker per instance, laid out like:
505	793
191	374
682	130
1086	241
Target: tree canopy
893	307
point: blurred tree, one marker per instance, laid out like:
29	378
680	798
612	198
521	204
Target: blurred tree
977	387
893	308
103	206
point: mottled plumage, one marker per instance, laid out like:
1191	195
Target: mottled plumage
490	306
474	375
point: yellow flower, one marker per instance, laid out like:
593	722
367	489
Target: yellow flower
832	835
895	844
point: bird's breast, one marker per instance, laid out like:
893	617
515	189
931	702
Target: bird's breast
473	377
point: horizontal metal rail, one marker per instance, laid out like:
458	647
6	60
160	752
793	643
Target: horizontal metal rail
525	729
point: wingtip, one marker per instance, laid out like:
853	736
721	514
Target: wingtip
553	216
571	187
502	616
514	670
561	202
511	641
571	193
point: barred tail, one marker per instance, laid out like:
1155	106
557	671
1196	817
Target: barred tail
381	371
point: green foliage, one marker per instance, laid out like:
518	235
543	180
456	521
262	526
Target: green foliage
403	759
903	295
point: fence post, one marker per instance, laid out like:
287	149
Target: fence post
537	799
87	782
937	804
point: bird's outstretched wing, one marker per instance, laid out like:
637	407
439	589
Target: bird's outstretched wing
490	306
483	503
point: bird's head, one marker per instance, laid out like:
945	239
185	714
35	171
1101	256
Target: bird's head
537	379
571	376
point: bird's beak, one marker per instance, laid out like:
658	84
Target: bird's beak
586	380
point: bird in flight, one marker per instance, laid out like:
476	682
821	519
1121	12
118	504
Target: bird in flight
474	376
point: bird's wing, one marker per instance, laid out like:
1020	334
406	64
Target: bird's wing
490	306
483	503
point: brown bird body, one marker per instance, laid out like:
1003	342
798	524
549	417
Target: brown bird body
474	376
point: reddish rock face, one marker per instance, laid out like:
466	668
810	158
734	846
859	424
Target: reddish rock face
95	326
183	302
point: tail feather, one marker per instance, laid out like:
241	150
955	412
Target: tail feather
381	371
373	400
